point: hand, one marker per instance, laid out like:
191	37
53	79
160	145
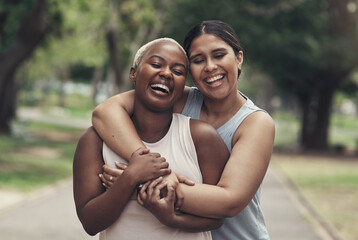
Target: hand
145	165
110	175
174	179
150	197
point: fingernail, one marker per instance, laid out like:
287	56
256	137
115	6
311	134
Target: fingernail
100	175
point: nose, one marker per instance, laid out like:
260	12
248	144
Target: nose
210	65
166	73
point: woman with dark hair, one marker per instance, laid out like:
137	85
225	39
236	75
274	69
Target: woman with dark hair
215	58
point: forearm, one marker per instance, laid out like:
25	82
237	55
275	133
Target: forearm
103	210
191	223
111	119
222	203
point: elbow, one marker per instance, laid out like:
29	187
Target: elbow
90	230
96	114
218	224
89	225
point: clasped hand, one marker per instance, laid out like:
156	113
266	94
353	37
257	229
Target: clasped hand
161	184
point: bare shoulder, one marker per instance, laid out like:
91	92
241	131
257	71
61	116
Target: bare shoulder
202	130
259	120
89	143
90	135
258	127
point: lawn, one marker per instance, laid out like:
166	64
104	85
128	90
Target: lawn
41	156
329	184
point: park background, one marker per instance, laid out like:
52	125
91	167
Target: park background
59	59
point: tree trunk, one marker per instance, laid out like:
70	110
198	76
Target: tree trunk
317	112
112	44
7	104
31	32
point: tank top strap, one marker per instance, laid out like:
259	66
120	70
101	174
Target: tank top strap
193	104
228	129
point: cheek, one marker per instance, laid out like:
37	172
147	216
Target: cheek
194	71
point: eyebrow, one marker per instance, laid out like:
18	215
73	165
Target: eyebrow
176	64
214	51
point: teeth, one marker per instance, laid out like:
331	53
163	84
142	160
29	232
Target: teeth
161	86
210	80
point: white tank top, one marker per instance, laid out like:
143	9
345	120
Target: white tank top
136	222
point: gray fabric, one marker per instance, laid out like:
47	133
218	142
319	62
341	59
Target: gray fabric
250	223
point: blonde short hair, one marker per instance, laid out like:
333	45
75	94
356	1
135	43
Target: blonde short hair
142	50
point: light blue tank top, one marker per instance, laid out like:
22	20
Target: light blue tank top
249	224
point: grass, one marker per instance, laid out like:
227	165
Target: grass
344	131
329	184
42	157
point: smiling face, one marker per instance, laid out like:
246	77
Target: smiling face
214	66
160	76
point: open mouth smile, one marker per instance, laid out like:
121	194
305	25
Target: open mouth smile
215	78
160	88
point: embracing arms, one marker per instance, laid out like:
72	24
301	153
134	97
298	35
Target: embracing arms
96	208
112	127
243	174
212	155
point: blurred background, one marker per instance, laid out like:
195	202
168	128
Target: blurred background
61	58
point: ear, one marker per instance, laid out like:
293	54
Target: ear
240	59
132	74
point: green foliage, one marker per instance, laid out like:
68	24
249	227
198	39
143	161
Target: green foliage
35	159
11	16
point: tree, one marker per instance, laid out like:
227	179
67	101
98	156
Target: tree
309	48
15	49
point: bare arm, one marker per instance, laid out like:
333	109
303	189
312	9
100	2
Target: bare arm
242	175
212	155
163	209
111	119
96	208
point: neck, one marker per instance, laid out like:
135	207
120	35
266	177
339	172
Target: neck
217	112
151	126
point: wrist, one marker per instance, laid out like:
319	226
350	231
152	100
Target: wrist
133	179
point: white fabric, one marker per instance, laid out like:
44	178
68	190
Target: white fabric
135	221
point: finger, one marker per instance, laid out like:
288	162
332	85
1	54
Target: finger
142	195
185	180
112	171
164	165
105	185
141	151
139	200
180	199
109	178
155	155
103	180
143	191
120	166
171	194
153	184
165	171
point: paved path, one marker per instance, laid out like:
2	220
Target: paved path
51	215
